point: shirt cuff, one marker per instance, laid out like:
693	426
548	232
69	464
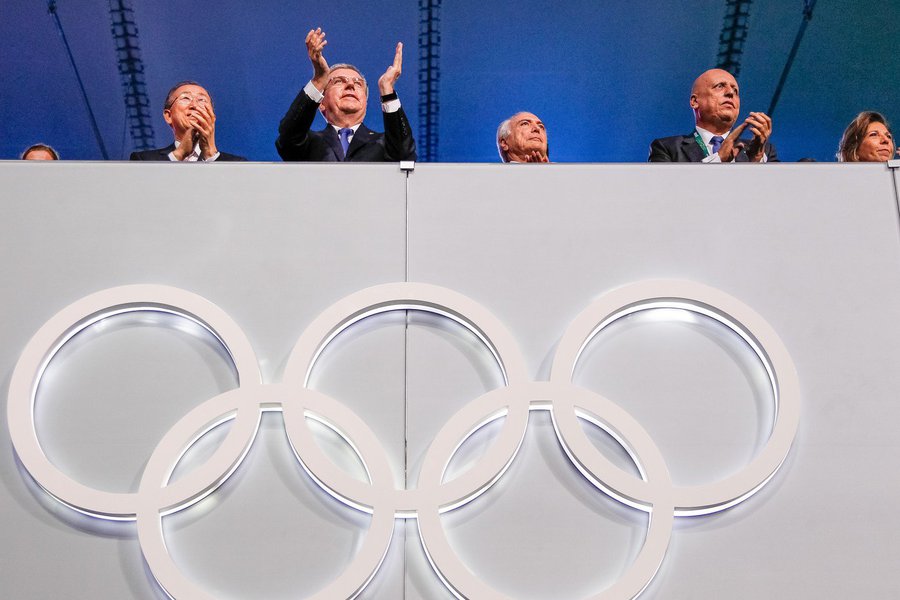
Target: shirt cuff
313	93
391	106
212	158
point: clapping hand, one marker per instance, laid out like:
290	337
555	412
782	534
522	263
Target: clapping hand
315	43
386	82
761	126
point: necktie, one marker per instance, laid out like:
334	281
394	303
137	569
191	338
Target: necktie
345	134
716	142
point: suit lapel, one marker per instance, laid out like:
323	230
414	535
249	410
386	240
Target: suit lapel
334	142
691	149
362	137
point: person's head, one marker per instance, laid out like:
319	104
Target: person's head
716	101
40	152
521	135
346	94
867	139
184	97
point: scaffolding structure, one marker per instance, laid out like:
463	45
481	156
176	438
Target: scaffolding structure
131	70
429	78
733	36
808	6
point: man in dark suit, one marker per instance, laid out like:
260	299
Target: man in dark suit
340	92
189	112
716	102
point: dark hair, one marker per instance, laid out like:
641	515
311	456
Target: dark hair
44	147
848	149
169	99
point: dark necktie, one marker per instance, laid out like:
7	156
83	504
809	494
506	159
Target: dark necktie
345	134
716	142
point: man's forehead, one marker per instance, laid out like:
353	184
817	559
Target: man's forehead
717	76
346	72
192	89
526	117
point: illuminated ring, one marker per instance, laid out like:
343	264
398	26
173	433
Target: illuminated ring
377	300
511	403
653	492
188	431
61	328
404	296
463	583
736	316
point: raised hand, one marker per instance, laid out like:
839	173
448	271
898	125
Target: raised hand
185	143
315	43
537	157
761	126
732	145
386	81
203	121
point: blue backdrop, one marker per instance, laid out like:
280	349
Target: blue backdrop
606	77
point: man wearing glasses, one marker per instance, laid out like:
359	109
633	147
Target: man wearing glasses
189	112
340	92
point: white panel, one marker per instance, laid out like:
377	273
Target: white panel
812	251
272	245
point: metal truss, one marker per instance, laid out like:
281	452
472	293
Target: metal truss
131	70
733	36
429	78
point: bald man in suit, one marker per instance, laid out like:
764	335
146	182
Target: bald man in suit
716	103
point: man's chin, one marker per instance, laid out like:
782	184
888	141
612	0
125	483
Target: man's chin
351	106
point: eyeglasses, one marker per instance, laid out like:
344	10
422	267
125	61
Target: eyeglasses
347	81
186	98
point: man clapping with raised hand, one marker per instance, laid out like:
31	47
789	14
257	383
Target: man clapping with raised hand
341	93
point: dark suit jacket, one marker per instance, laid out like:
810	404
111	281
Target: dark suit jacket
297	143
684	148
162	154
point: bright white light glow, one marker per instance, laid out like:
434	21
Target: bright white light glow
652	492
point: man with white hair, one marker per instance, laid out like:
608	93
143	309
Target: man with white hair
522	138
341	94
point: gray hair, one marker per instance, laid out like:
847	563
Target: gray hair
502	133
352	68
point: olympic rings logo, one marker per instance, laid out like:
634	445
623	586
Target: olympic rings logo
654	492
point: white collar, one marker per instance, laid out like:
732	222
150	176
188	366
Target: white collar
707	136
354	128
195	151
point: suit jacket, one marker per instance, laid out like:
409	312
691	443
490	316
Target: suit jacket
297	143
684	148
162	154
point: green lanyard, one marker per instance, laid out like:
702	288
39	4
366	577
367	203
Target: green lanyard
700	143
